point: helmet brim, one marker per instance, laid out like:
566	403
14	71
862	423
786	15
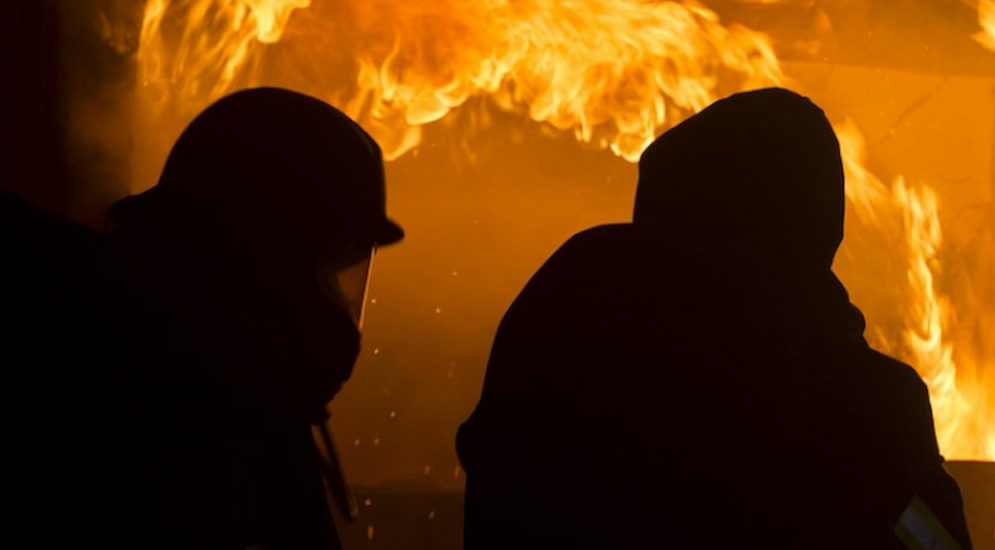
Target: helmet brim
388	233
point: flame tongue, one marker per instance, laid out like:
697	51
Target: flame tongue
614	72
986	18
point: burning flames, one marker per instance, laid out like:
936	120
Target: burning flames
614	72
961	408
219	37
986	18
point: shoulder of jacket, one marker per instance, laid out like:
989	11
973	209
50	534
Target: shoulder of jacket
568	272
33	238
596	235
895	374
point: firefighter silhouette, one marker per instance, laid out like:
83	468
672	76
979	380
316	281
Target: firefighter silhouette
698	378
220	313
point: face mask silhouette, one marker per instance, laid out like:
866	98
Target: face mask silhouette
349	285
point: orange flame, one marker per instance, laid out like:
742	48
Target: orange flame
614	72
217	37
964	425
961	409
986	18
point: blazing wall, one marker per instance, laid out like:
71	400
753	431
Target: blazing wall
511	125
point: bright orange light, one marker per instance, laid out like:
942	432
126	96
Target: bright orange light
615	73
962	412
986	18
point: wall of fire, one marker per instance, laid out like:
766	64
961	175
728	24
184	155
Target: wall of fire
488	193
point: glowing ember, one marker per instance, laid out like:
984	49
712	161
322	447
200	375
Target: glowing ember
614	72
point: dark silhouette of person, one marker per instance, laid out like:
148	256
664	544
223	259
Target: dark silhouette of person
226	309
52	474
698	378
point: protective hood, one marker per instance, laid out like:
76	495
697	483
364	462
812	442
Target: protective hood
755	175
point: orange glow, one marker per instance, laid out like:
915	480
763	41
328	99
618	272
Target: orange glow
614	73
986	18
216	40
964	426
960	397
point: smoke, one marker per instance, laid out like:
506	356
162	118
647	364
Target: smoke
97	83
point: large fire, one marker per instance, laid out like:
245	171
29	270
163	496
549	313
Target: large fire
614	72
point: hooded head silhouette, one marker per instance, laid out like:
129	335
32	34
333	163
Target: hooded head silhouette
757	175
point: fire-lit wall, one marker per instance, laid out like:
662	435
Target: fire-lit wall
488	185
